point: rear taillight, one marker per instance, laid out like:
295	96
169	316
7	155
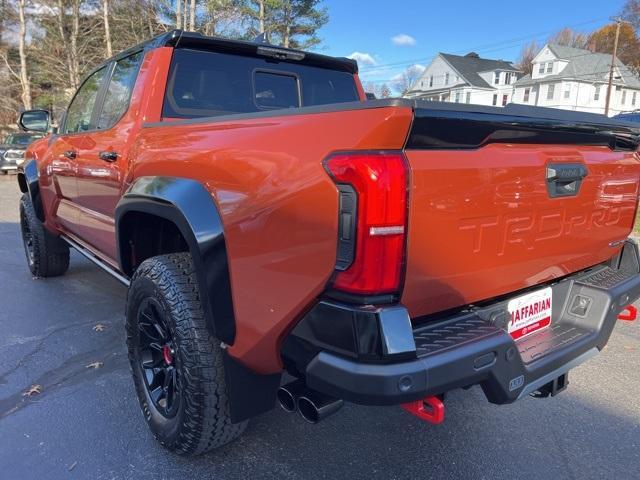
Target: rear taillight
373	220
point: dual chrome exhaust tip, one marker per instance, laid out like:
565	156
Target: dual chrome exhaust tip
313	406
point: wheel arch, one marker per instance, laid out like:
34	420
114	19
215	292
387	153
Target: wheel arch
28	182
186	205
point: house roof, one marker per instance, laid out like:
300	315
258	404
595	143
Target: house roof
585	66
469	66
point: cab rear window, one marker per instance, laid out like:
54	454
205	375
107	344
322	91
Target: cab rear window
204	84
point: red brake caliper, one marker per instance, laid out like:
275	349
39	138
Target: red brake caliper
629	314
429	409
166	354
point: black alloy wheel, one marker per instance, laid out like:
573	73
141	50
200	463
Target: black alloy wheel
157	357
27	240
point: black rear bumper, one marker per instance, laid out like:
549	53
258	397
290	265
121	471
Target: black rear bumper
373	356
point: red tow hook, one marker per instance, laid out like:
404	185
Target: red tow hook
629	314
429	409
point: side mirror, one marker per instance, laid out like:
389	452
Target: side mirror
34	121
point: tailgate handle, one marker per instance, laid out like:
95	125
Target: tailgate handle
565	179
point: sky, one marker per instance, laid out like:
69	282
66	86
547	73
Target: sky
387	36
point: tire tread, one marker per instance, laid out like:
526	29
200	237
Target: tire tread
206	423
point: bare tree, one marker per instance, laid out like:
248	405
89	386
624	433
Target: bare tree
178	14
380	90
185	17
63	37
3	16
107	30
75	31
192	16
570	38
631	13
25	82
527	54
407	79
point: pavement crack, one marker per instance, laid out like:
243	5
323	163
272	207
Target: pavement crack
41	341
72	371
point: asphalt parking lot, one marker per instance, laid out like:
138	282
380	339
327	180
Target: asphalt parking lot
86	423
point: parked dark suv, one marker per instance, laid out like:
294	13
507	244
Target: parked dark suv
13	148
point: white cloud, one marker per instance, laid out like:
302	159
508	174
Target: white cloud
363	58
403	40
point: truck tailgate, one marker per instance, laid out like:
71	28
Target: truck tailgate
495	214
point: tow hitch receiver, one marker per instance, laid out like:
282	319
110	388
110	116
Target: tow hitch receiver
553	388
629	314
429	409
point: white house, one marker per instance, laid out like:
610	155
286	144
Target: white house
466	79
576	79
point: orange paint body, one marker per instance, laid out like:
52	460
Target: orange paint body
481	226
478	225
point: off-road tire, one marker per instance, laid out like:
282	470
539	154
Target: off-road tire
202	421
47	255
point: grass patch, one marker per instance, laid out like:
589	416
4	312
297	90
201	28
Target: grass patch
636	227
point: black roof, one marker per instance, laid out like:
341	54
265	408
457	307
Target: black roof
469	65
183	39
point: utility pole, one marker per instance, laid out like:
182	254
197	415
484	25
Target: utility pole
614	54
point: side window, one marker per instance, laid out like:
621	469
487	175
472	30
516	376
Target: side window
78	118
116	100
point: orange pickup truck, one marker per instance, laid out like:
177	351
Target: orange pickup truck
268	218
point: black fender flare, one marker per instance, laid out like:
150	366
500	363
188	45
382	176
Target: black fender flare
188	205
28	177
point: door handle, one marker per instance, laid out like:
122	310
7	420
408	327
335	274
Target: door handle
564	179
109	156
70	154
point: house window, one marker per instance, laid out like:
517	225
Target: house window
541	69
495	99
431	81
507	79
496	78
505	99
551	90
457	97
567	91
633	99
446	78
469	97
624	97
596	95
457	78
549	67
527	92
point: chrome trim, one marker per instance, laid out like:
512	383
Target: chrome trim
93	258
617	243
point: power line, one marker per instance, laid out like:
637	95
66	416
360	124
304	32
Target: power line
504	45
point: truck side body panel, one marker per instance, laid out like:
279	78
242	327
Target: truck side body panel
278	205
